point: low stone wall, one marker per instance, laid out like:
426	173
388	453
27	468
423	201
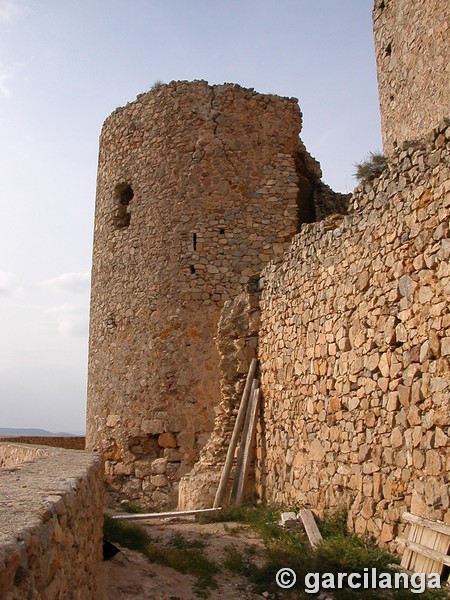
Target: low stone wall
354	351
51	517
77	442
12	455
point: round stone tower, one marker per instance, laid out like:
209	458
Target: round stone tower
197	190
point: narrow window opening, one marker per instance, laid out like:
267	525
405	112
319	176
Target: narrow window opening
194	241
192	269
221	231
123	195
388	49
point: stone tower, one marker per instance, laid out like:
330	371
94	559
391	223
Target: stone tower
413	61
198	187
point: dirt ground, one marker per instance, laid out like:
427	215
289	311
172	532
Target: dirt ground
130	576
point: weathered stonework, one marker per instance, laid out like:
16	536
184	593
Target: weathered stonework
51	516
354	350
198	188
413	60
237	344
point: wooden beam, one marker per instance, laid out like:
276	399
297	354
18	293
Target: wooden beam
165	515
433	525
312	531
240	453
246	449
235	436
428	552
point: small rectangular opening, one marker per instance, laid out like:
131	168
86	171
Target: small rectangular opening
194	241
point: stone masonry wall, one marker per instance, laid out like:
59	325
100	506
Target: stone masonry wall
413	61
51	517
354	351
198	188
68	442
237	344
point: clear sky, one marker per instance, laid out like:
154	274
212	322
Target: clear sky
64	66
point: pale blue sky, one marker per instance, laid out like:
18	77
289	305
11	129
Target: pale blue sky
64	66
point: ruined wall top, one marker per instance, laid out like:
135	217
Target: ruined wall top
413	63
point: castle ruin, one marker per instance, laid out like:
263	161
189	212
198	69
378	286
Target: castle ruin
216	242
206	191
198	188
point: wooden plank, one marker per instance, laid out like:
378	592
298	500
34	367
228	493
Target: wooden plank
432	540
434	525
309	523
427	552
442	544
247	447
240	453
235	436
408	554
165	515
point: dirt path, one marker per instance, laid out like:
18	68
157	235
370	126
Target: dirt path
130	575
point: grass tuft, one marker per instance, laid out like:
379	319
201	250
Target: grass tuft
179	541
370	168
194	562
240	562
156	85
133	508
126	534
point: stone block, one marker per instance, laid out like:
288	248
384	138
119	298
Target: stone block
186	439
172	454
159	466
152	426
445	346
159	480
167	440
316	451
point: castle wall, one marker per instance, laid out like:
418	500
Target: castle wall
354	349
413	61
51	518
197	190
68	442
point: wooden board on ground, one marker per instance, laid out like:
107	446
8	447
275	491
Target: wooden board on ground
166	515
309	523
